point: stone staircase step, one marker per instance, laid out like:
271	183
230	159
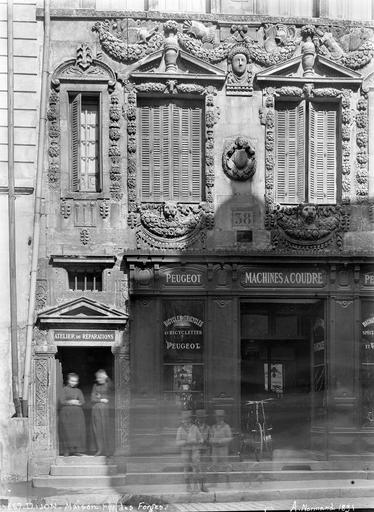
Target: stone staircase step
83	460
83	482
82	470
246	476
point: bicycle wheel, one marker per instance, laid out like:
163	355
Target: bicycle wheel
257	440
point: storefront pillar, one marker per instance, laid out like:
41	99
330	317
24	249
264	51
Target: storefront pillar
43	438
122	396
343	396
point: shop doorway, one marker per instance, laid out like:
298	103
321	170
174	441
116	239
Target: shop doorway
283	359
84	361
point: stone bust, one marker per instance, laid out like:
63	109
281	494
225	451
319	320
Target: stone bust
239	74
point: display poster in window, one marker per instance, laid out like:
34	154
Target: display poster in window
183	326
367	337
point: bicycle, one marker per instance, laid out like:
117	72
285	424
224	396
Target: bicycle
256	437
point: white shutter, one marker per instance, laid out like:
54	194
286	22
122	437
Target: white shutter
290	152
322	152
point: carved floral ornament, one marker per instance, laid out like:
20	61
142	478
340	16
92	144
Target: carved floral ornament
306	226
170	225
127	40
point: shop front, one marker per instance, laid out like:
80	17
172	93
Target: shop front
231	334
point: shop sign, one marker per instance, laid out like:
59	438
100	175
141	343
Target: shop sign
368	279
183	332
182	278
368	328
282	278
87	337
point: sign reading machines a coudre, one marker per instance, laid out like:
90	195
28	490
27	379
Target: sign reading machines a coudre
282	278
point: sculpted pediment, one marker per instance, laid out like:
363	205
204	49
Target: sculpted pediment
184	66
321	69
82	310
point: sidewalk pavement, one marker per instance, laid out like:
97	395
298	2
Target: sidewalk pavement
293	496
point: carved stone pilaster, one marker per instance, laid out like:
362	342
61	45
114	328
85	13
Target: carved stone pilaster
43	406
122	384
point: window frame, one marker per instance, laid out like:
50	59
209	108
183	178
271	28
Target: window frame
190	99
99	179
338	144
91	88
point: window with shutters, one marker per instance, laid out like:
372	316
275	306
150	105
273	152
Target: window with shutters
306	152
85	142
171	149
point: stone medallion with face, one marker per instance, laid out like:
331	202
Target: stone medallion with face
239	64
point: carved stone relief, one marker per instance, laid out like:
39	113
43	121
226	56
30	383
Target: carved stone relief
239	160
115	116
362	157
350	46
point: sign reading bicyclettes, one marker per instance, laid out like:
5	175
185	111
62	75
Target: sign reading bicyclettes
251	277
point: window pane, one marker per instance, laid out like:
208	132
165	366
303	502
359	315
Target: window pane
89	146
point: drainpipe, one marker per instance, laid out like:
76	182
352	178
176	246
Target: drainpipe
11	219
37	208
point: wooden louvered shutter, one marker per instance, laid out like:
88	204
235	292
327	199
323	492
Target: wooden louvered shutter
75	109
170	150
322	152
290	152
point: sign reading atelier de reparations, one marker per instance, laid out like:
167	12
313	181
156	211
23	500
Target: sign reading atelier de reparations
84	337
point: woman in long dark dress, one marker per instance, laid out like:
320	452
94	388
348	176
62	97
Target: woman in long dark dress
72	422
102	398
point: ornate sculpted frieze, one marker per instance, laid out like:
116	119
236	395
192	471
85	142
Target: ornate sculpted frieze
352	47
115	115
170	225
362	157
238	159
306	226
53	116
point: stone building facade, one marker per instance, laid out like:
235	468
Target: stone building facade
208	221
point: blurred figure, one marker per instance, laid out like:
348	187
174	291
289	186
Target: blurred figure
204	429
72	423
220	438
101	397
189	440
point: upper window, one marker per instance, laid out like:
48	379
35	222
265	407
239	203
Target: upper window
171	149
85	142
306	152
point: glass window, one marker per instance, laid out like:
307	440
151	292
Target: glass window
367	364
85	142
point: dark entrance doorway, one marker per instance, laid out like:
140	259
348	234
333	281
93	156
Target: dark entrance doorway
283	358
85	361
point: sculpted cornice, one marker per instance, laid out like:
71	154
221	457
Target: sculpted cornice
128	40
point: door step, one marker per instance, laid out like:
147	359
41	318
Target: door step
83	482
83	470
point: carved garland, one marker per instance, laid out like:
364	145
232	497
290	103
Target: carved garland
171	225
278	42
362	158
40	423
306	227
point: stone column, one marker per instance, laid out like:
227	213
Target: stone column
122	396
43	407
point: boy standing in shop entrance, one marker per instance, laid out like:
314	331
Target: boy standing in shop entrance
189	439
